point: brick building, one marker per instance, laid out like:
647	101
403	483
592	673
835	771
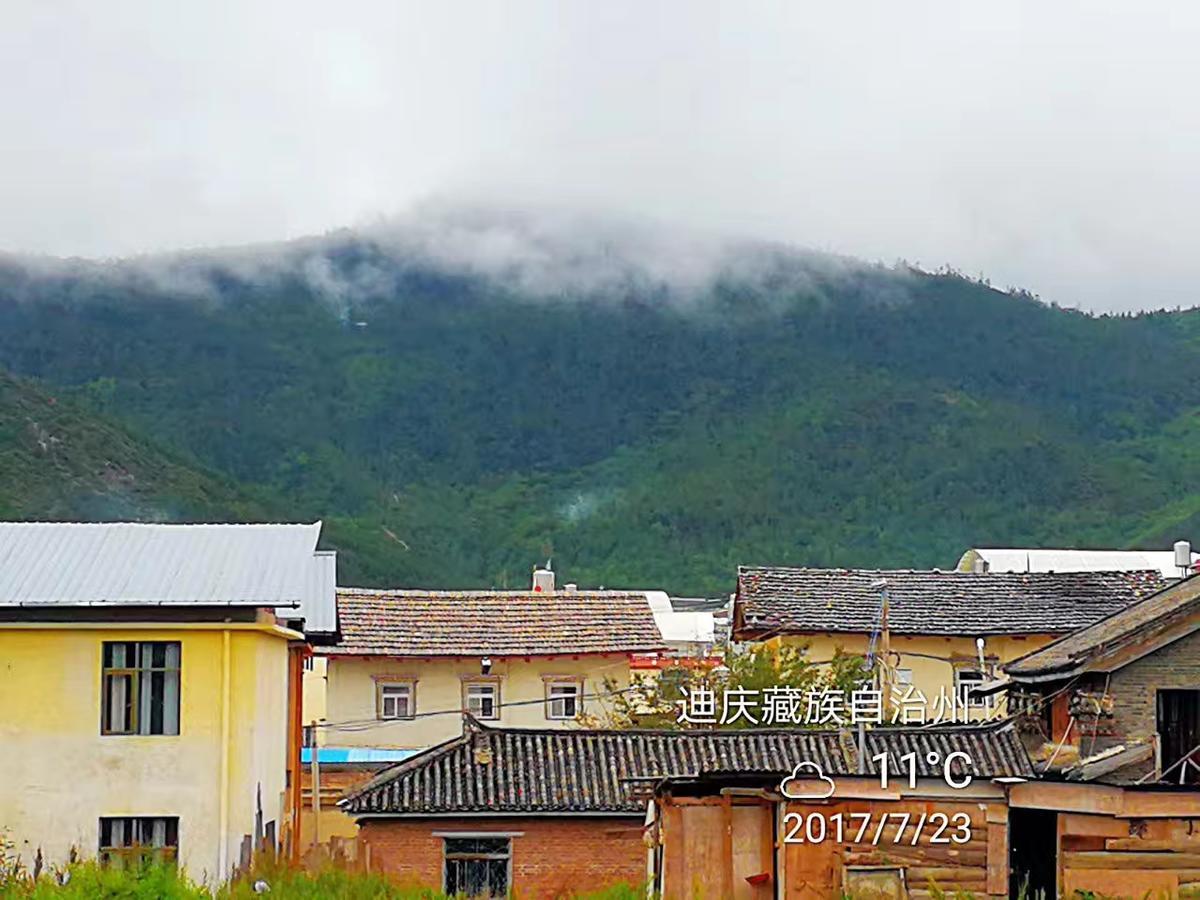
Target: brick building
1111	714
1119	701
542	813
534	812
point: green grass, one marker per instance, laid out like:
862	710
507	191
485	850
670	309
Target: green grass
89	881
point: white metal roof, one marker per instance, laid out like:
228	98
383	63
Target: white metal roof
686	627
120	563
319	606
1049	560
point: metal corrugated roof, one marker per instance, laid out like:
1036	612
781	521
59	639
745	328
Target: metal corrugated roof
686	627
123	563
1041	559
318	608
518	770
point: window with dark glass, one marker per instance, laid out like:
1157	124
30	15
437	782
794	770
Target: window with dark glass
483	699
140	687
477	866
1178	716
562	699
965	681
137	840
395	700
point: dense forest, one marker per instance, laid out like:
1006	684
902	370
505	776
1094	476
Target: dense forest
455	423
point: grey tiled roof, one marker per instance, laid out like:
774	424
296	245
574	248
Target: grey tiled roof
1073	653
773	599
492	623
563	771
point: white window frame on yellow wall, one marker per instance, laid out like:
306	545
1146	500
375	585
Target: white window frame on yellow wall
557	684
476	683
395	689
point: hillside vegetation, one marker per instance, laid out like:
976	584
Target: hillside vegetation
455	425
59	460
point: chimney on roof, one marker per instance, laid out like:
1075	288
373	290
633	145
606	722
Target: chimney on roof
543	580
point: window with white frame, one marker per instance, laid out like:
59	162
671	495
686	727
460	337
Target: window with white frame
482	699
563	699
396	699
140	687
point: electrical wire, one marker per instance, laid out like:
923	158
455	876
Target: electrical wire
366	724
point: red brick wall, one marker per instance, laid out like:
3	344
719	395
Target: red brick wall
553	857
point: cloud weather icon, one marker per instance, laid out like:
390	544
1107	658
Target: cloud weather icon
807	782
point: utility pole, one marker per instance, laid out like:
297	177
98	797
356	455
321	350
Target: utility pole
316	787
885	653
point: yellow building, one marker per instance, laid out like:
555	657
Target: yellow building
408	664
935	634
150	685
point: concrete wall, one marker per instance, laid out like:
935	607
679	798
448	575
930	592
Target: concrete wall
314	695
61	775
552	856
351	695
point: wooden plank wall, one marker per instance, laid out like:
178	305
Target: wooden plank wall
952	867
718	848
1129	857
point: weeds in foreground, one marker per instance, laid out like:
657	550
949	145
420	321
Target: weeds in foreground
88	880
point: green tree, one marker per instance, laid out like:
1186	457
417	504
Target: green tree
654	701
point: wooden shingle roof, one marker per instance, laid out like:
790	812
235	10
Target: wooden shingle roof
1106	644
802	600
555	771
493	623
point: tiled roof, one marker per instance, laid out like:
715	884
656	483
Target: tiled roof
1073	653
492	623
504	770
786	600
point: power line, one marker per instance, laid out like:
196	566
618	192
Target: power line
365	724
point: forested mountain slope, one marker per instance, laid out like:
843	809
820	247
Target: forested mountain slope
458	420
59	460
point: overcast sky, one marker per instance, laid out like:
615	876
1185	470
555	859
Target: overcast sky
1051	145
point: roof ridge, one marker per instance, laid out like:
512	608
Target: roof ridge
487	592
836	570
489	728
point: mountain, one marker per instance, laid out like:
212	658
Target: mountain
59	460
460	399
